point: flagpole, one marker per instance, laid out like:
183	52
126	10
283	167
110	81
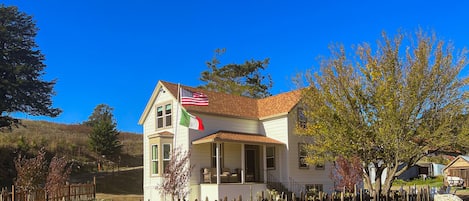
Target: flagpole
176	125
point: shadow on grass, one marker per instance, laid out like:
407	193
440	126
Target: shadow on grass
124	182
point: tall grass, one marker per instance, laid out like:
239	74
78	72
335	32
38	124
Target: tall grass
70	140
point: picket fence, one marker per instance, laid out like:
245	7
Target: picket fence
72	192
411	193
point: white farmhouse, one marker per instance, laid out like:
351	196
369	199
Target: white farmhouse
248	145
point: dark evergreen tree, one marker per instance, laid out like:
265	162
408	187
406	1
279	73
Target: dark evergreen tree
104	137
21	69
239	79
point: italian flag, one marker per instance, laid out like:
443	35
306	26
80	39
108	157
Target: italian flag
191	121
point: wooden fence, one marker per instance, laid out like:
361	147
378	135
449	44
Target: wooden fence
72	192
411	193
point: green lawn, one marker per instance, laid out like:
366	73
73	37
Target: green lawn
432	182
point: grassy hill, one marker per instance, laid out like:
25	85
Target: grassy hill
70	141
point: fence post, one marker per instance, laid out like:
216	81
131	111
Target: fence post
94	187
13	192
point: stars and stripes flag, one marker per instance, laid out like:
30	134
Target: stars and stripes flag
193	98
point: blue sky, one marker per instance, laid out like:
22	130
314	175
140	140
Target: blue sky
114	52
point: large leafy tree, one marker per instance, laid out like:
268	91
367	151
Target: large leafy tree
240	79
21	68
389	105
104	137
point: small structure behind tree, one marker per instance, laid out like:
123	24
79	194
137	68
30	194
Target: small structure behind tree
458	167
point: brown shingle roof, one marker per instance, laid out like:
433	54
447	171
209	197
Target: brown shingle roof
226	136
239	106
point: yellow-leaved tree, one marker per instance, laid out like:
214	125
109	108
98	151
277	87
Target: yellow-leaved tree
389	106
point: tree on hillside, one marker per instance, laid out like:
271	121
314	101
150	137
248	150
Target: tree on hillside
104	137
21	69
388	106
240	79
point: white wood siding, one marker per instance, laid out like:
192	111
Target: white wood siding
277	128
216	123
299	175
149	128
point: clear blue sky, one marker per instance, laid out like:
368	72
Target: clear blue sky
114	52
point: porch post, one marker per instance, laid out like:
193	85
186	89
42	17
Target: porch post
218	162
242	164
264	166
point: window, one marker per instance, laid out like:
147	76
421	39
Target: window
214	155
313	188
301	117
302	154
166	155
163	116
270	157
167	115
159	117
154	159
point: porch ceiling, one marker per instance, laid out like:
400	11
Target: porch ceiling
227	136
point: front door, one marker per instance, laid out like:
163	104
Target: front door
251	158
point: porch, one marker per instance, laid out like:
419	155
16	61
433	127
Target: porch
234	158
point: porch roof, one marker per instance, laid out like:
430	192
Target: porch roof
228	136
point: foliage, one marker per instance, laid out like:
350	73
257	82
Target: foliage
177	175
347	173
104	137
238	79
31	173
101	112
35	173
21	69
59	173
388	106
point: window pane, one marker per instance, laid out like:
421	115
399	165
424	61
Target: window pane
165	165
159	111
168	120
270	151
168	109
166	151
270	163
154	167
154	153
160	122
302	153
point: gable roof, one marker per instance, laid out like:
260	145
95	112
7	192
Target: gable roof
463	157
233	105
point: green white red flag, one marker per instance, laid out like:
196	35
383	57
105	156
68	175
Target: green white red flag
191	121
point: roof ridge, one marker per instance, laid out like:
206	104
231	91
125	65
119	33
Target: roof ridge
240	106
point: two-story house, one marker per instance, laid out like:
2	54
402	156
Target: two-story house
248	145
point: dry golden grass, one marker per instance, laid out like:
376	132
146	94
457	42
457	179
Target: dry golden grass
69	139
66	140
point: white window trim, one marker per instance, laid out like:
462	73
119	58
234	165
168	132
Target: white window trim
163	115
270	157
154	160
300	147
169	155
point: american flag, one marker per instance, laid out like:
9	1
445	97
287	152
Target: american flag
193	98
